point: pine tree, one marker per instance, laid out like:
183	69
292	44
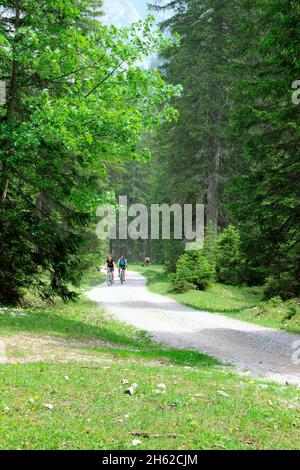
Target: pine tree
265	195
193	154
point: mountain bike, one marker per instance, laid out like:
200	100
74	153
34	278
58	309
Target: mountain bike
122	275
109	277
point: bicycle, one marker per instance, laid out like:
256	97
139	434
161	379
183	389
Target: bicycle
109	277
122	275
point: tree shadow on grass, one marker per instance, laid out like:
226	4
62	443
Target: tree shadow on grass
154	277
123	341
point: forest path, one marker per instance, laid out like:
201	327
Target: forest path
251	348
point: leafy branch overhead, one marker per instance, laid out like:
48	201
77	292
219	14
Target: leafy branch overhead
77	103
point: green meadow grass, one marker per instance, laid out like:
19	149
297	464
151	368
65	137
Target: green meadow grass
204	406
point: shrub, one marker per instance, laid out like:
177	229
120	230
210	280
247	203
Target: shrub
193	270
181	279
229	262
179	283
293	309
173	250
285	284
204	273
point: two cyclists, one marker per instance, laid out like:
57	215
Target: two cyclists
110	266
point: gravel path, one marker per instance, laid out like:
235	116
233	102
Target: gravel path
252	348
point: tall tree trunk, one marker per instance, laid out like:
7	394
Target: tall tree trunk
12	99
213	188
39	213
4	187
39	205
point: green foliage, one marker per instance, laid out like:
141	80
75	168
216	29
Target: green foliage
204	272
77	105
193	270
283	284
209	247
237	63
293	310
181	279
191	156
173	249
228	256
264	194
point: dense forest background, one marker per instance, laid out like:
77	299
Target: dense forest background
216	114
235	145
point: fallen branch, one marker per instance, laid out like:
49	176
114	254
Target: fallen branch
147	435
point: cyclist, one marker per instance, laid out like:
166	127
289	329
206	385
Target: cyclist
110	265
122	264
119	270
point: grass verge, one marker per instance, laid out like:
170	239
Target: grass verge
81	404
242	303
203	407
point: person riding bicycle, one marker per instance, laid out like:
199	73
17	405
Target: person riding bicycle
119	267
122	264
110	265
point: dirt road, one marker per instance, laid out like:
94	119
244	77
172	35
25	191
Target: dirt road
264	351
